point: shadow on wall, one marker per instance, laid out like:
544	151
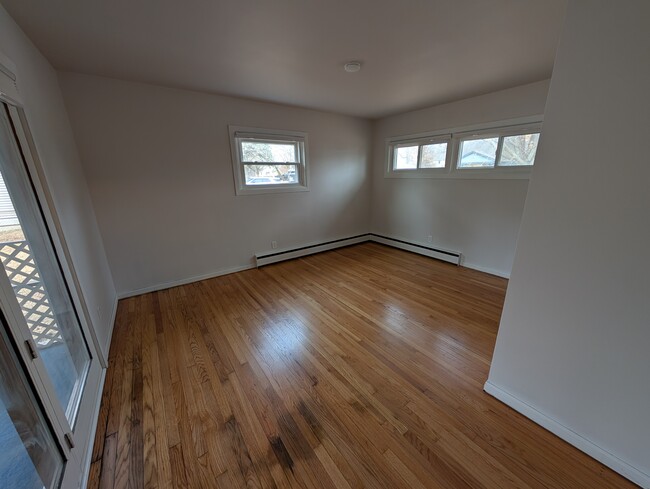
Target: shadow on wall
478	218
346	187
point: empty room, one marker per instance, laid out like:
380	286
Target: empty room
324	244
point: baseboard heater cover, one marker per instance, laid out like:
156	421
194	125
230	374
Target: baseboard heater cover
277	256
262	259
439	254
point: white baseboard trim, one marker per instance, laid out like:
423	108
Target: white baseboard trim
275	256
111	327
570	436
491	271
184	281
443	255
85	469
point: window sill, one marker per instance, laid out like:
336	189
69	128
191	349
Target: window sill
467	174
271	189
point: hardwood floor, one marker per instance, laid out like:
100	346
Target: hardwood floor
361	367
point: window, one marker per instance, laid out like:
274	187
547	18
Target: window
406	157
516	150
434	155
506	150
266	161
478	153
519	150
31	457
420	154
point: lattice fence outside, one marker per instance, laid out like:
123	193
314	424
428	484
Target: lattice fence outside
21	269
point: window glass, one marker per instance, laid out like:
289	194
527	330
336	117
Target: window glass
519	150
406	157
478	153
263	152
434	155
270	174
30	457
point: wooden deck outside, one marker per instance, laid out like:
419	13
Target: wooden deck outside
361	367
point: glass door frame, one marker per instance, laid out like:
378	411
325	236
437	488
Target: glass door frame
76	441
31	425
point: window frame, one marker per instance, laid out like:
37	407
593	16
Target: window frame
239	134
473	136
420	142
517	132
500	133
500	129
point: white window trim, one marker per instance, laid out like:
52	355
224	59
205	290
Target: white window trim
242	132
503	128
421	141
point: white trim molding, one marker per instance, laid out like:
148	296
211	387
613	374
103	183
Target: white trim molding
182	281
87	459
480	268
8	82
570	436
111	327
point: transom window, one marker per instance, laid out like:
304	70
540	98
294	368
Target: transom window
503	151
266	161
426	154
519	150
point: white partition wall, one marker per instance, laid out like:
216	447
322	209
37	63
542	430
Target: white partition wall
572	351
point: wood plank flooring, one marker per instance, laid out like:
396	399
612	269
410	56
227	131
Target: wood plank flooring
361	367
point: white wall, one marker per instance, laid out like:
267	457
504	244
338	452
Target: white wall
479	218
54	141
159	170
574	339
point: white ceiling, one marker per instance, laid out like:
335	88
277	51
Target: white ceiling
415	53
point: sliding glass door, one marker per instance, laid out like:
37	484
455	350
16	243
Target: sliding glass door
49	377
33	284
31	459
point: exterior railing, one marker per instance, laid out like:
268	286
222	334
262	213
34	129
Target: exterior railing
19	265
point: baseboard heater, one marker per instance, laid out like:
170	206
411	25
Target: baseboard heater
262	259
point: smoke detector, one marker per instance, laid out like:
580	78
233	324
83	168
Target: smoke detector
352	66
